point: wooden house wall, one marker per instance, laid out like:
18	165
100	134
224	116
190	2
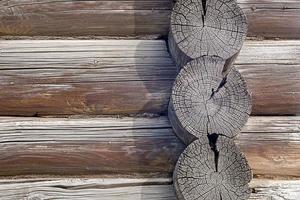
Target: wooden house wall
84	118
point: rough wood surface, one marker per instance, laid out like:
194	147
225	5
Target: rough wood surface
70	17
212	171
206	28
84	77
210	99
116	77
181	59
268	18
87	189
132	146
275	189
274	78
272	18
206	102
133	189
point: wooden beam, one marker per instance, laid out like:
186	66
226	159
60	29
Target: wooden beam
84	77
136	17
272	71
94	77
119	189
71	18
272	19
132	146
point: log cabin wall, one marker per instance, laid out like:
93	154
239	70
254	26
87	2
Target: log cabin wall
101	70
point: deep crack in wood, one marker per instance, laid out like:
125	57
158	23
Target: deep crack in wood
204	11
213	138
195	176
210	102
205	102
206	27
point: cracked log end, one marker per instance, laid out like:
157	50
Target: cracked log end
217	28
205	101
196	176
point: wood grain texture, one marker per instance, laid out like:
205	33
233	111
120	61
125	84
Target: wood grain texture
267	18
272	18
272	72
84	77
206	102
45	77
212	170
132	146
181	59
211	28
70	17
120	189
91	189
275	189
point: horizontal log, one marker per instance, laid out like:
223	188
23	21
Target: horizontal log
132	146
272	18
275	189
131	18
272	72
84	77
94	77
70	17
119	189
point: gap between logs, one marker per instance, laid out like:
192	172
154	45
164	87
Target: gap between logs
213	138
204	11
222	84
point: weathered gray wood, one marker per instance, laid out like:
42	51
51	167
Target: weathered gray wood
179	57
267	18
212	171
275	189
132	146
87	189
39	78
268	75
206	28
110	146
121	189
61	77
210	99
177	126
205	102
272	18
72	18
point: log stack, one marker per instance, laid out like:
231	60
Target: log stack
210	102
85	88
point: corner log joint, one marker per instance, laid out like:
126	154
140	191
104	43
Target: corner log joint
210	102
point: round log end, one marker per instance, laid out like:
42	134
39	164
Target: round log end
205	101
212	171
180	131
208	27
